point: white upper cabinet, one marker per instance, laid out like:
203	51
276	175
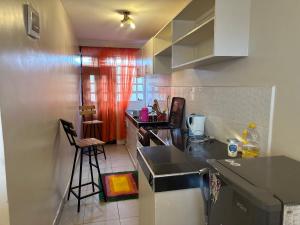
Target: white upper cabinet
147	52
162	49
204	32
208	31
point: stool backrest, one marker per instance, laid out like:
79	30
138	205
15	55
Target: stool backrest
87	111
70	131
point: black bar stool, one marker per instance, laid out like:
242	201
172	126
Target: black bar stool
89	147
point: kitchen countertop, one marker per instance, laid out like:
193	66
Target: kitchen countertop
211	149
147	125
175	163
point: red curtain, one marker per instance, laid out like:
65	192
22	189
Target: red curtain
107	76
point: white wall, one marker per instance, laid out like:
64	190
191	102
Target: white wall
39	83
4	210
273	60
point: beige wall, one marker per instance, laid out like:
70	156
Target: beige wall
4	209
273	60
39	83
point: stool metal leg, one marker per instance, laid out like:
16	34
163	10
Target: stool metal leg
80	175
103	152
91	168
72	175
98	169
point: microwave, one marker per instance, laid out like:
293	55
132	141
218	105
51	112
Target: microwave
259	191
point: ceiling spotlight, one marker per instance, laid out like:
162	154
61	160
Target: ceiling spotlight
127	20
132	25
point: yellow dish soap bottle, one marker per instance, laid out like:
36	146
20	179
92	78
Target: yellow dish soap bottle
250	147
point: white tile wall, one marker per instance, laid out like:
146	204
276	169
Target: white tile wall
158	87
228	109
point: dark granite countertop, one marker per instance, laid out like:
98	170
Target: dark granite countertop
147	125
175	163
166	160
194	149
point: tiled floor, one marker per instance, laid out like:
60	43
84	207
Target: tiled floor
92	211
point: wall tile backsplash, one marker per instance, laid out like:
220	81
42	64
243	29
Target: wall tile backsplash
228	109
158	87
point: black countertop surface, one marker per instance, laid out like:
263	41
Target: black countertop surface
195	149
147	125
166	160
175	163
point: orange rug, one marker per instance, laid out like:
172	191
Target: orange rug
120	186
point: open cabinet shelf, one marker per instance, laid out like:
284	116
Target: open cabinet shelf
165	52
195	35
163	39
196	45
204	32
194	15
162	48
209	31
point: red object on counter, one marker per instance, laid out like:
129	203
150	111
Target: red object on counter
162	117
144	115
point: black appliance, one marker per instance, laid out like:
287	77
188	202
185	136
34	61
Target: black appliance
176	115
176	112
261	191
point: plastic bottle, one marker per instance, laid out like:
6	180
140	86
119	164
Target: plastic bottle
250	136
233	147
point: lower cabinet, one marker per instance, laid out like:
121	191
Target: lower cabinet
131	140
146	200
179	207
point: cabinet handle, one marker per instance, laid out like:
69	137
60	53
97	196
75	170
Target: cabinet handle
203	171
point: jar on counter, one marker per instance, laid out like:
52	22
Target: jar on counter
233	147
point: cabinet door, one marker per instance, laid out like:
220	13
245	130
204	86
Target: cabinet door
148	57
131	140
139	63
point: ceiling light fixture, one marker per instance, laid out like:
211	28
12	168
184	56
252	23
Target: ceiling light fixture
127	20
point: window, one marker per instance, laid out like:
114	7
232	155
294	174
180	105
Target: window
93	88
89	61
137	89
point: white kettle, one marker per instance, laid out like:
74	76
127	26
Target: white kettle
195	124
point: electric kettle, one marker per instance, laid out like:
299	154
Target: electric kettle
195	124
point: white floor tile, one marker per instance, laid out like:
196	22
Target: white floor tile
111	222
92	211
106	170
104	163
123	168
124	157
129	208
70	216
130	221
76	183
122	162
95	212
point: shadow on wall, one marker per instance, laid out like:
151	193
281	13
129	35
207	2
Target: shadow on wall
61	154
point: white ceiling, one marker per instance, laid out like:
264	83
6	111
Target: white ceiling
96	22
